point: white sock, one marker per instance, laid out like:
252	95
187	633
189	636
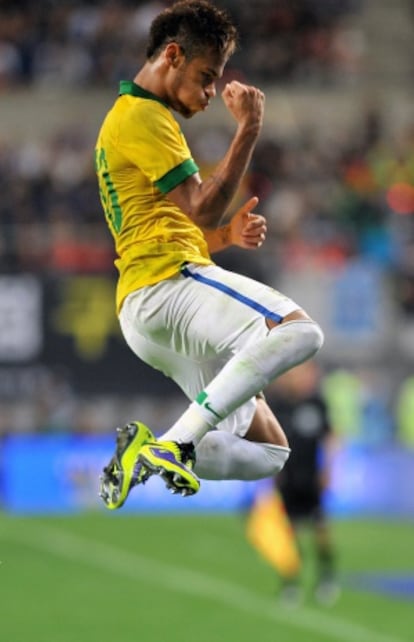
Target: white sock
191	426
246	374
221	455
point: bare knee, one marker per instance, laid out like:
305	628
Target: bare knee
265	428
296	315
310	334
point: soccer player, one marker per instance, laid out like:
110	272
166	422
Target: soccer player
304	415
221	336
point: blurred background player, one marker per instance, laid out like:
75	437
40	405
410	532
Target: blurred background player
297	399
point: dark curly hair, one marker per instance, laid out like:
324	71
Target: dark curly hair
195	25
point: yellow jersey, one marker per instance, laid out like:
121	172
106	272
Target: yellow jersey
141	155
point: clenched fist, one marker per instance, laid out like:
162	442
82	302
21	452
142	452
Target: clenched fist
245	103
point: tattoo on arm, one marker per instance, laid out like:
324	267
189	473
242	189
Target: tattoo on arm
218	239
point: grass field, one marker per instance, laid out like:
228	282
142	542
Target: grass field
122	578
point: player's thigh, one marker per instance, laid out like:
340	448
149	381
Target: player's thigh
230	309
191	374
211	312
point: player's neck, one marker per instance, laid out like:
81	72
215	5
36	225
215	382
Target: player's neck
150	78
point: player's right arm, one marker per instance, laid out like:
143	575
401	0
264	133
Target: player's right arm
206	201
245	229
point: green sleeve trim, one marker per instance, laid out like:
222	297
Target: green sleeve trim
176	176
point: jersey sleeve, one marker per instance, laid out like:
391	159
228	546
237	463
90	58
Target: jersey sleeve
152	140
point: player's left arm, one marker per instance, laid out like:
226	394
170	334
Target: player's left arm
245	229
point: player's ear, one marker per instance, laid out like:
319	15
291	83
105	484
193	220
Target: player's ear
173	54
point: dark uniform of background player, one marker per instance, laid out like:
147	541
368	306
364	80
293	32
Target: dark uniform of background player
302	411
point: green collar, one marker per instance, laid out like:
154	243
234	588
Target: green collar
129	87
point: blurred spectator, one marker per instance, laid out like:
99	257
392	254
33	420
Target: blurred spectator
342	391
359	405
404	410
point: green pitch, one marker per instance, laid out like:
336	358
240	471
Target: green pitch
171	578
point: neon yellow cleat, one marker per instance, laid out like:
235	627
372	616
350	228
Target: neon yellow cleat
173	462
124	471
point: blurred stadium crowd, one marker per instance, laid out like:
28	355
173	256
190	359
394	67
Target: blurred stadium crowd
80	42
331	200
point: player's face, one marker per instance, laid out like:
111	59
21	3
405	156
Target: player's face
193	84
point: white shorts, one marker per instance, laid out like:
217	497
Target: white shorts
190	325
